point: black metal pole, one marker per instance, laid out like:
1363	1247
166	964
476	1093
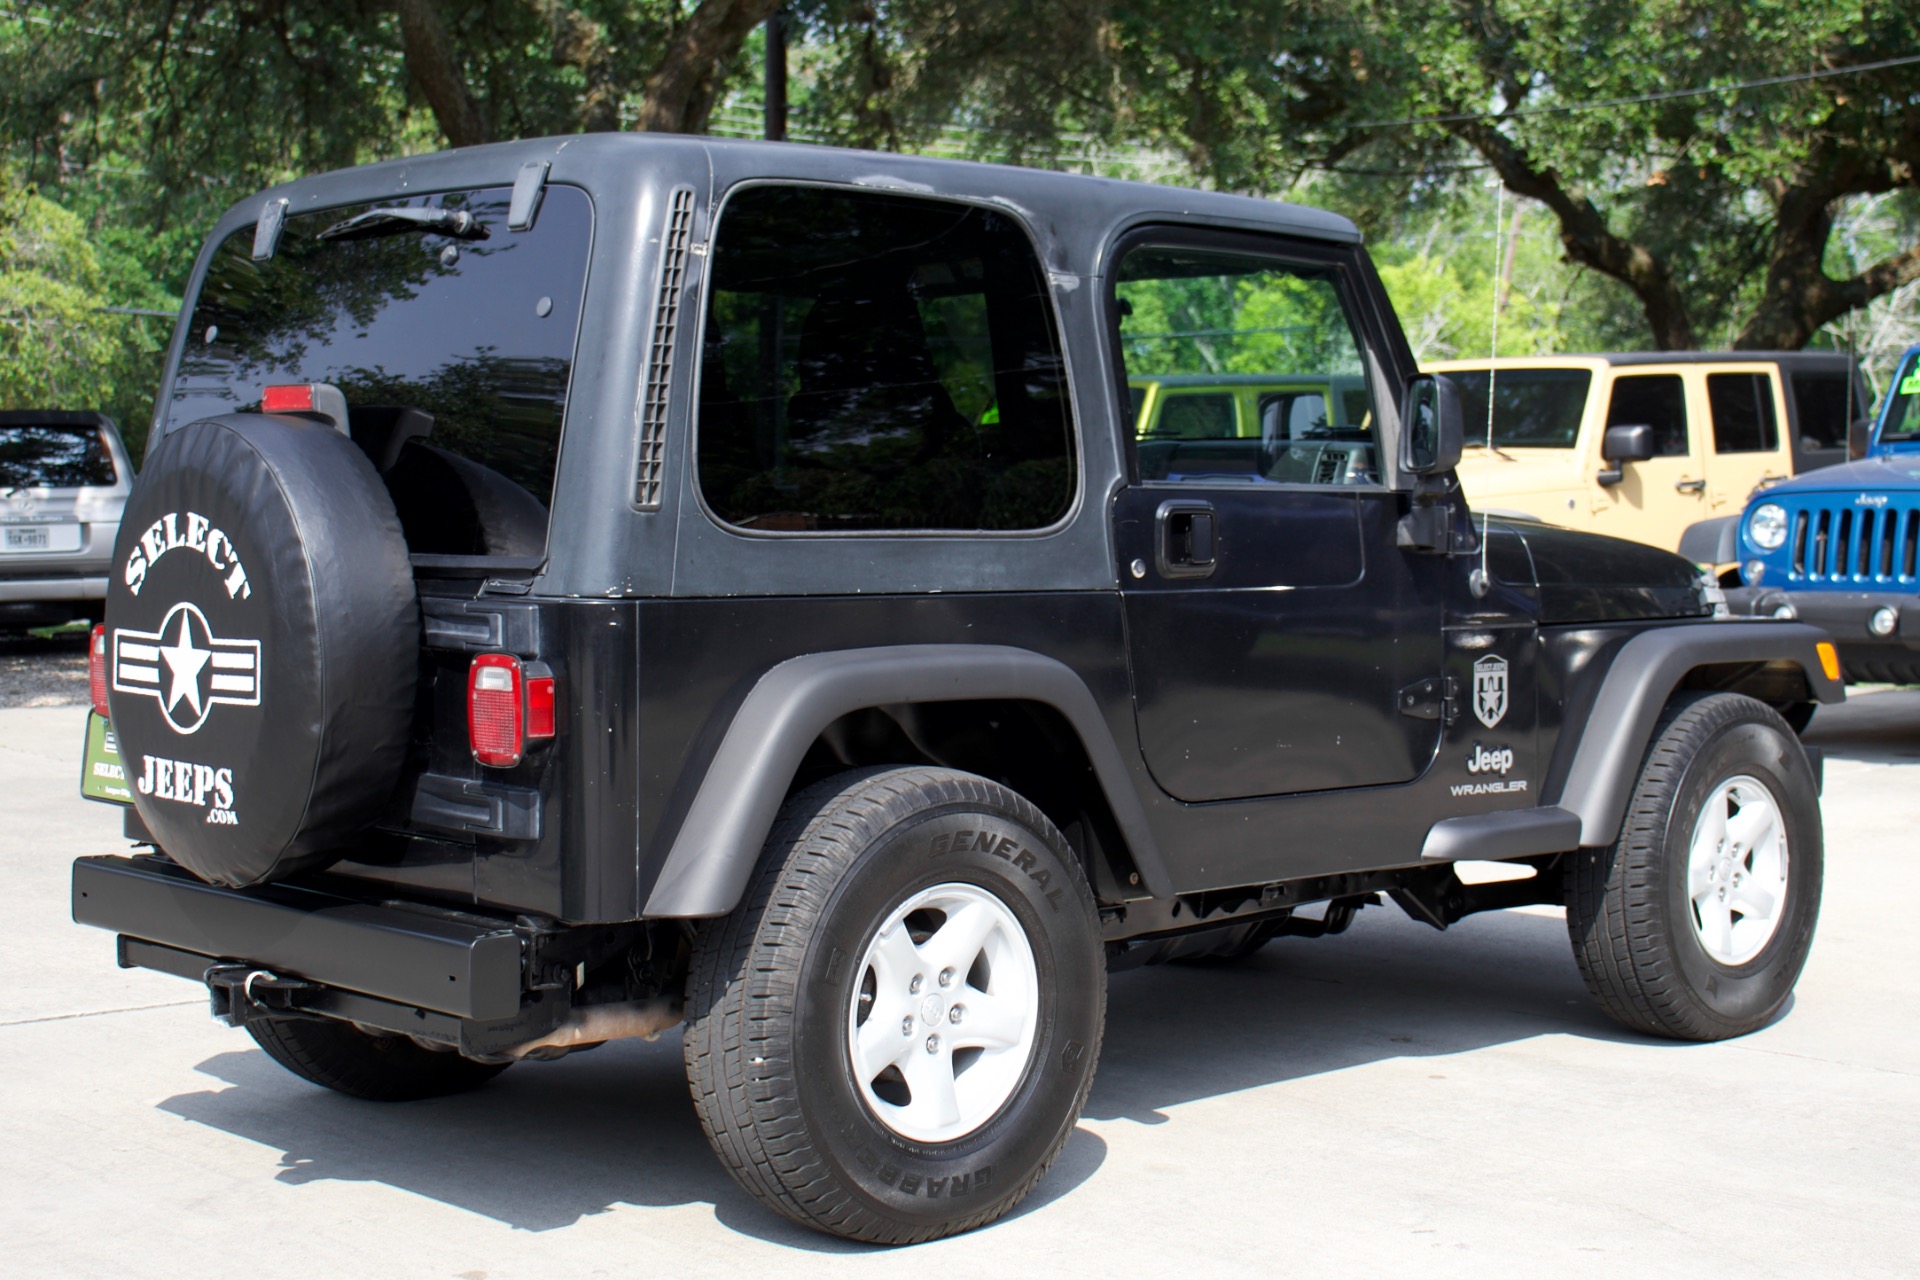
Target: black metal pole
777	77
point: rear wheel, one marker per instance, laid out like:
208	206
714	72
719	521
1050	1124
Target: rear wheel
1696	922
892	1036
341	1057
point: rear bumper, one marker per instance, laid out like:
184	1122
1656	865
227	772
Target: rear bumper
25	586
432	961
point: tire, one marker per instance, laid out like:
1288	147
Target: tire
1656	960
264	641
817	954
341	1057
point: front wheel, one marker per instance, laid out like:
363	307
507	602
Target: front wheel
1696	922
892	1036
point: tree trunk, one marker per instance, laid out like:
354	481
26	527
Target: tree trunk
1585	235
435	67
1799	296
680	95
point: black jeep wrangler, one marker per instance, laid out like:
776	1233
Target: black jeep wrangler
581	586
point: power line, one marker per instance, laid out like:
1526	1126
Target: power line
1664	96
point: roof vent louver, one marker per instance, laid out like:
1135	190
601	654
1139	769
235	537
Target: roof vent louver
666	319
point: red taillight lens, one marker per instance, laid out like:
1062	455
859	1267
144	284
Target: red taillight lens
287	399
496	719
507	705
97	669
539	705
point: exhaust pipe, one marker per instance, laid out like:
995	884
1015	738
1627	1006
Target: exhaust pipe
597	1023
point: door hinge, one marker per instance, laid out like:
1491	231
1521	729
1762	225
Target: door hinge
1435	698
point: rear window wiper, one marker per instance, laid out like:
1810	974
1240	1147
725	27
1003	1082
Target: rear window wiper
390	221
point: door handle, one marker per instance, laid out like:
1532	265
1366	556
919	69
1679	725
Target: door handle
1689	486
1186	538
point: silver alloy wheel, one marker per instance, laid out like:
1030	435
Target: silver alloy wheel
944	1013
1737	870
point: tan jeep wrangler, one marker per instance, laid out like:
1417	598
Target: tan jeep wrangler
1642	446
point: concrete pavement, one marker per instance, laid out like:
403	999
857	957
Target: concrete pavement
1393	1101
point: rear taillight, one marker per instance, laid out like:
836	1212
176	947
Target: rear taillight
97	669
508	706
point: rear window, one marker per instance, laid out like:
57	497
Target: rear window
1825	404
36	456
1533	408
475	335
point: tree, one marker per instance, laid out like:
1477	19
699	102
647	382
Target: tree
1712	204
224	96
58	348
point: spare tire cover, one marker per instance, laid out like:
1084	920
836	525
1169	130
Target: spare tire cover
262	642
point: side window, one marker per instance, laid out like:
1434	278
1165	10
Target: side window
1825	406
1194	416
880	362
1219	328
1743	420
1657	400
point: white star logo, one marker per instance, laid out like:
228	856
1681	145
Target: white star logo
184	662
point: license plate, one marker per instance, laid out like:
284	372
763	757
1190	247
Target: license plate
102	776
40	537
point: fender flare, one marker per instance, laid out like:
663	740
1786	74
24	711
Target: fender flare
719	843
1715	541
1636	688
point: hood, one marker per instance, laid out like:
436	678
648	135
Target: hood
1518	472
1883	471
1588	577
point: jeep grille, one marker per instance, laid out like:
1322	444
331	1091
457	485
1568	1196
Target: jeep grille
1854	544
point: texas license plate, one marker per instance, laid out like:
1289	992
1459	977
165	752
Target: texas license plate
27	537
102	776
40	537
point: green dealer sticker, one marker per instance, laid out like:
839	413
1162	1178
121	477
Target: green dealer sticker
102	777
1911	387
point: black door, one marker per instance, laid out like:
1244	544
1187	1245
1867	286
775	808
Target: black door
1272	621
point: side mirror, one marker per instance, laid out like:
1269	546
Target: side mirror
1622	445
1434	431
1859	431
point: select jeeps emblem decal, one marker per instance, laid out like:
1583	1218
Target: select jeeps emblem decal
1871	500
185	782
188	668
1490	689
196	533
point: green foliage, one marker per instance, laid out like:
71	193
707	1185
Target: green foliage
58	348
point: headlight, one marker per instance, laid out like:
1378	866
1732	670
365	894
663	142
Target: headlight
1767	526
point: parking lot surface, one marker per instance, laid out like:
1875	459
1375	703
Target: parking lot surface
1392	1101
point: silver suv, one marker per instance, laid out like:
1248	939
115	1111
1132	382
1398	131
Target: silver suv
64	478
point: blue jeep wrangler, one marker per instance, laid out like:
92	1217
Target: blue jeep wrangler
1838	547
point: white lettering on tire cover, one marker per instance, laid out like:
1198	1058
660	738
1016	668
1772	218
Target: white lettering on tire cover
186	668
196	533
